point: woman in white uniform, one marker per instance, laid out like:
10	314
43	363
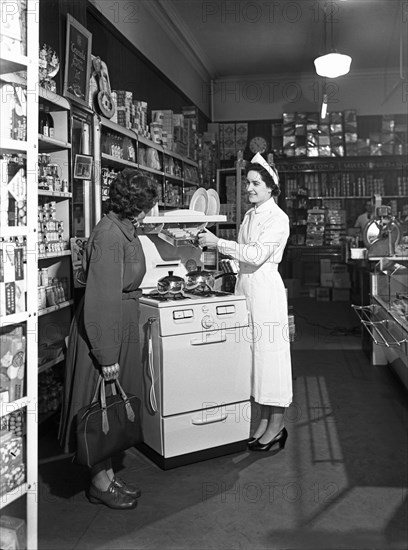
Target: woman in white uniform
261	241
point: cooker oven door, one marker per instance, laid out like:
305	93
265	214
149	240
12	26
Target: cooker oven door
203	370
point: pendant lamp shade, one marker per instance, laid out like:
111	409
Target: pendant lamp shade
332	64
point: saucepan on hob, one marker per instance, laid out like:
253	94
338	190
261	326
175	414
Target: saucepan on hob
199	281
171	285
202	281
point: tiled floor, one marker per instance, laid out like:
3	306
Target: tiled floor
340	483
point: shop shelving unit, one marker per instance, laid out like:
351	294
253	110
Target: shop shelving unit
54	255
233	201
19	230
118	147
345	181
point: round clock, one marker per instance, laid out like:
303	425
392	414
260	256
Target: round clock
258	144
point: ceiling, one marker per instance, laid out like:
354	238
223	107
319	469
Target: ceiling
259	37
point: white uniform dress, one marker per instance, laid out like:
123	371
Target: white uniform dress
261	241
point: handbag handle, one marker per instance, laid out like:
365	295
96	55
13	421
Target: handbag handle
102	393
129	411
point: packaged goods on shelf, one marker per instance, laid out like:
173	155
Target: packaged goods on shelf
14	29
12	468
49	391
13	191
12	279
13	111
139	123
152	159
16	423
124	107
50	233
178	120
50	351
165	118
191	174
12	533
12	361
156	130
315	227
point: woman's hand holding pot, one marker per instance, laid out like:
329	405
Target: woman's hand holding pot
206	238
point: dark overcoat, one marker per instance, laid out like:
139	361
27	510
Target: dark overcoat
105	327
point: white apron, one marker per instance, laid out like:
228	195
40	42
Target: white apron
261	241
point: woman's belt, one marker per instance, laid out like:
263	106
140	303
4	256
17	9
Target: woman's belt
131	295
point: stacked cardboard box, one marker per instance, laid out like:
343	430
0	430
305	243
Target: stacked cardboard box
233	137
162	121
312	135
350	132
339	134
227	141
140	118
336	134
191	121
336	279
124	106
315	227
277	138
335	228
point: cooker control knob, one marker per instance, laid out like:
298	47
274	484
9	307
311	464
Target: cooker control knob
207	321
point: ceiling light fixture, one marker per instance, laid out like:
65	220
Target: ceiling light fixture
332	64
323	112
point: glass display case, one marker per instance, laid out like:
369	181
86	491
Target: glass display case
389	288
386	317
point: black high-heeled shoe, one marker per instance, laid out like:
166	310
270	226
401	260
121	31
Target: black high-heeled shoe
251	441
280	438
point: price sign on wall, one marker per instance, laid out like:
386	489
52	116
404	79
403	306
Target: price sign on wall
77	61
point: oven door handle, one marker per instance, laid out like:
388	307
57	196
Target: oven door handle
211	420
208	339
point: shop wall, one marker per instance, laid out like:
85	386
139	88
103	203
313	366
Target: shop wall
145	29
268	96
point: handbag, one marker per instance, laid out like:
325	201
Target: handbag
108	425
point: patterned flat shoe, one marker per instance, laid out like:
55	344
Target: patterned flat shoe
126	488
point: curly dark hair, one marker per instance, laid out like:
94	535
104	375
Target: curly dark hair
266	177
131	193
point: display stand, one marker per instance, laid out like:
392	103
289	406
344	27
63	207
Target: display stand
18	232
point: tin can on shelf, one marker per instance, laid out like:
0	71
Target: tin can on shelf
50	296
42	298
44	277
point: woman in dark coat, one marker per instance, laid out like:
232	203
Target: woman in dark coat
104	335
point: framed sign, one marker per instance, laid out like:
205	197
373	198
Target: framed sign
83	167
77	61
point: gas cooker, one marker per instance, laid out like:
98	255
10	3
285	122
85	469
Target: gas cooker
195	312
155	298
